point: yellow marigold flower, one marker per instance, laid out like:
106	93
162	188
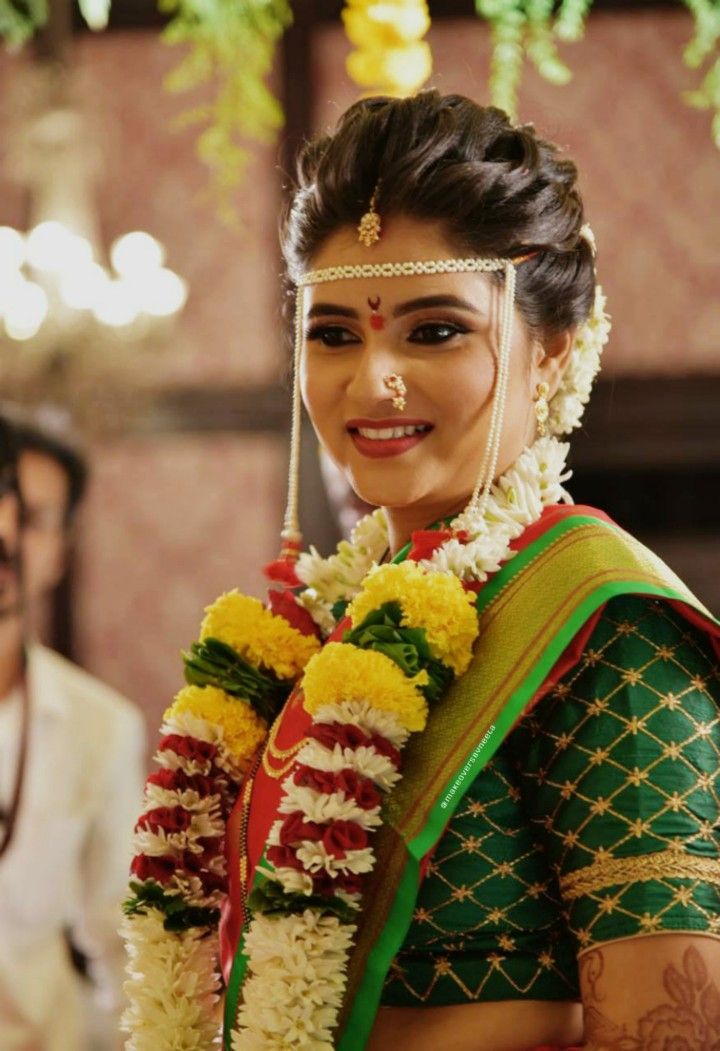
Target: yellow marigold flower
390	56
431	600
342	672
262	638
398	71
372	25
243	730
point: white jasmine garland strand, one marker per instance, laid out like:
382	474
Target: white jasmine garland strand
297	967
301	1023
173	988
339	577
568	404
516	501
534	481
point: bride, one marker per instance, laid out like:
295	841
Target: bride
457	784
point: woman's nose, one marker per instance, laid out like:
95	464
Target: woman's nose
368	384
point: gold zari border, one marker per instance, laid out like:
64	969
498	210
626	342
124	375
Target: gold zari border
665	864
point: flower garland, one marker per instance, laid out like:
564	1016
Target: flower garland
568	404
472	547
239	675
411	632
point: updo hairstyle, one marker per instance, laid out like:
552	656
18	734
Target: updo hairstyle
496	189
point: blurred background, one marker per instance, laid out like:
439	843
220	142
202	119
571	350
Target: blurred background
183	399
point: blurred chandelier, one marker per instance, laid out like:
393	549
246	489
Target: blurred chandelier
51	283
60	291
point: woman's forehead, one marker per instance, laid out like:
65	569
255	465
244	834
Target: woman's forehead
402	238
400	295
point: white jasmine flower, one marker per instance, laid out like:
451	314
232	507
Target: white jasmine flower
173	987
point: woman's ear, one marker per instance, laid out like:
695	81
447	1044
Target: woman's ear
551	357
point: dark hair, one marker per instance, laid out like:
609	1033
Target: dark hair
497	190
46	431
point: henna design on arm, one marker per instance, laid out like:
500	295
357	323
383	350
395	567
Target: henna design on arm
689	1020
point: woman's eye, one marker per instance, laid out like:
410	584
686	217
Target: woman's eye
330	335
435	332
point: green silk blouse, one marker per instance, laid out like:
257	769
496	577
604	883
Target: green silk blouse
597	819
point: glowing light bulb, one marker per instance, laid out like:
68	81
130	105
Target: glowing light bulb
12	249
116	304
136	253
163	293
10	282
84	287
26	312
51	246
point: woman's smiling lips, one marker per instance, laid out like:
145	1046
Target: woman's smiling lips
387	437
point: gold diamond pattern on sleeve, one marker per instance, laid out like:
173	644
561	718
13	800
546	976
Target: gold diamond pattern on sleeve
598	818
621	773
487	923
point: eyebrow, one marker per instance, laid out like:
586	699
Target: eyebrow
322	309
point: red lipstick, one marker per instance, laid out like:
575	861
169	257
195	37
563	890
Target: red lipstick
381	447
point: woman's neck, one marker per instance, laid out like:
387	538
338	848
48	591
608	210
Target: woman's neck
404	521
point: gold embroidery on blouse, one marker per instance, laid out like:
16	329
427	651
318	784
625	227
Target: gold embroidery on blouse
665	864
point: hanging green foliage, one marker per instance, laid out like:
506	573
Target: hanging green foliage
19	19
231	45
532	28
529	28
701	50
231	50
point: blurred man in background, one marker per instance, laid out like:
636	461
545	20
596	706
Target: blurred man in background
71	775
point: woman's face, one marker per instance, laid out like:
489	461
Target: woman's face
440	333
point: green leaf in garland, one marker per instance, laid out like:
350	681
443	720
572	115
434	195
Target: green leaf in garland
178	915
270	899
214	663
382	630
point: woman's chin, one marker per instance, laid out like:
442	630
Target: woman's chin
387	494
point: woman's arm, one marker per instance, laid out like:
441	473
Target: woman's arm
652	992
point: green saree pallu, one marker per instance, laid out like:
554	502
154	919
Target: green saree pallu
534	615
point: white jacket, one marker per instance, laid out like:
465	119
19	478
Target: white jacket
67	866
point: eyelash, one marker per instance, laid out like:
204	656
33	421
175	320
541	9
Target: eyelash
319	333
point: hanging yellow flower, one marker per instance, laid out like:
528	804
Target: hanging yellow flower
390	57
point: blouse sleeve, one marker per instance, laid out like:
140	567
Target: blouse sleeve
620	774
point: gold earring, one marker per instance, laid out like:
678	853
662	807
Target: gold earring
542	409
396	384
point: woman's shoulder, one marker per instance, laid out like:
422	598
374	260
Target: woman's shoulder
586	547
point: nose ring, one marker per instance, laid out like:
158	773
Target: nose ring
394	382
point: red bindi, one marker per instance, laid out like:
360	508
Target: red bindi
377	321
